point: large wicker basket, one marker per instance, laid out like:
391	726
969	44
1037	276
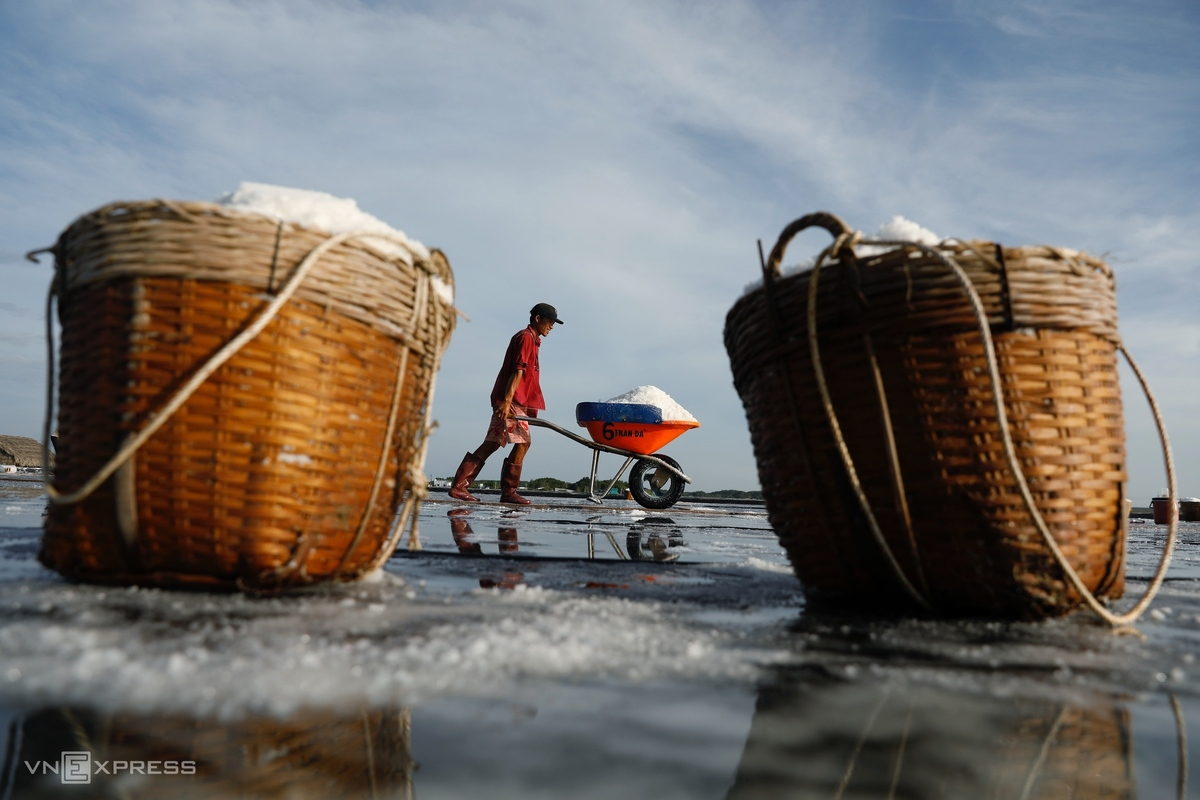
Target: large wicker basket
242	401
886	462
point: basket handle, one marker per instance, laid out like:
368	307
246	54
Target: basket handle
818	219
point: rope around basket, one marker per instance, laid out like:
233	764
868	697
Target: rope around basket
417	495
416	479
1115	620
397	393
419	310
848	240
134	443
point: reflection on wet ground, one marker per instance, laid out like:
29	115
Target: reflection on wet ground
870	707
625	532
565	650
651	539
878	740
319	755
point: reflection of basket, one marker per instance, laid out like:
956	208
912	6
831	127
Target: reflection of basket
909	393
814	736
1077	752
288	463
313	755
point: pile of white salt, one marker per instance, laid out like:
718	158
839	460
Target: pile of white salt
654	396
334	215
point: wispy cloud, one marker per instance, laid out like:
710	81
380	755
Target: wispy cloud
620	159
22	339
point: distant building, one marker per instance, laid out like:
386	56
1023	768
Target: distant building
21	451
439	483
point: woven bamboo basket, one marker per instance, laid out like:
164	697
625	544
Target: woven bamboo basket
941	426
242	401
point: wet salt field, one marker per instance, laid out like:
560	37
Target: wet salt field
572	650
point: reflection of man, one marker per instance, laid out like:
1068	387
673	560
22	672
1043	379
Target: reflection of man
460	529
509	580
508	540
516	393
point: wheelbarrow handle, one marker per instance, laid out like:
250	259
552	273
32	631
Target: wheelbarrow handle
818	219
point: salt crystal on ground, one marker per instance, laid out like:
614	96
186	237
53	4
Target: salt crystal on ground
654	396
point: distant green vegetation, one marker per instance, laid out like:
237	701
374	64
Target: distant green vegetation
732	494
581	487
550	485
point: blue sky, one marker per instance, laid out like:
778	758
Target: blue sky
620	160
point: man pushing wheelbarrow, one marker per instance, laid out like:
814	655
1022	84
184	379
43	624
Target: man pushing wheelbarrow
516	393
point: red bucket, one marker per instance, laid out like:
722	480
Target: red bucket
1162	510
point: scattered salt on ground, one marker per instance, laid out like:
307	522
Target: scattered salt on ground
769	566
654	396
896	229
323	211
381	644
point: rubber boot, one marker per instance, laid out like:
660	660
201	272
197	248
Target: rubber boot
467	470
510	476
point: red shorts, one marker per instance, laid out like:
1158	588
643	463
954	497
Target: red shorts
510	431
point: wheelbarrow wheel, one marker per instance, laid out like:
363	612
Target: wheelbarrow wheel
655	487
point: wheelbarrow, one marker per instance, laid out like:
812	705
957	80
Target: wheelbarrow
635	431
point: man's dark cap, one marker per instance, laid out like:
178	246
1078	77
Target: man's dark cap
546	311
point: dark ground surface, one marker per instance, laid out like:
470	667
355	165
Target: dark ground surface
570	650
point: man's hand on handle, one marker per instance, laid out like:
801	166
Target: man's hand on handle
504	410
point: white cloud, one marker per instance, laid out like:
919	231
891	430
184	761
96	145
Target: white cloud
620	159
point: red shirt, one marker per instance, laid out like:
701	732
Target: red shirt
522	354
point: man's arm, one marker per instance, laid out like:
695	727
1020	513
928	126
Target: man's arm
504	410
